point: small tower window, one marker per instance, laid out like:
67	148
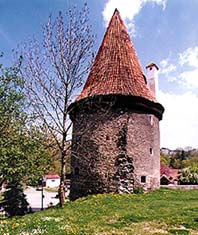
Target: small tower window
78	139
107	137
151	151
121	111
143	179
150	68
151	120
76	171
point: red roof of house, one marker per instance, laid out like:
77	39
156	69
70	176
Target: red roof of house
170	173
116	69
52	176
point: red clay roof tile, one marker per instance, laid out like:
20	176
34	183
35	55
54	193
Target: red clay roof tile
52	176
116	69
170	173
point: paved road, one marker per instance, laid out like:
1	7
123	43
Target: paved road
34	198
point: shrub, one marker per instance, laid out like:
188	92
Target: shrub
189	176
139	190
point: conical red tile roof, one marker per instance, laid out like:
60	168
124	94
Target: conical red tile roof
116	69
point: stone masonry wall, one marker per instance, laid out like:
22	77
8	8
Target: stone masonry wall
144	146
113	150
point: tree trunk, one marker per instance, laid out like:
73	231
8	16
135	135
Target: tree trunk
62	182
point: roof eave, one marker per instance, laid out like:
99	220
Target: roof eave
135	103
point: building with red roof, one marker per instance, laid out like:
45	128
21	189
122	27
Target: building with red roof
169	175
51	180
115	145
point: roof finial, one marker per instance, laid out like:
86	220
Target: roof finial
116	10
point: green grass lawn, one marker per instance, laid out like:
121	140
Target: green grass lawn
161	212
52	190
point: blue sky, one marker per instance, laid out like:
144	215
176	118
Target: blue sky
162	31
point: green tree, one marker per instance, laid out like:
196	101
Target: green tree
12	120
35	154
15	202
11	112
23	156
165	159
23	145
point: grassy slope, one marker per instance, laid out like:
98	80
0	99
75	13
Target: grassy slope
160	212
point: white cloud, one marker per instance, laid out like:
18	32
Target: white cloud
128	9
164	63
159	2
186	68
180	120
166	68
189	78
169	69
188	60
189	57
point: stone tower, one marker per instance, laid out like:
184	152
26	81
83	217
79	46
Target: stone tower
115	145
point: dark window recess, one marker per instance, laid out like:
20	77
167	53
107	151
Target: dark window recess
78	138
107	137
150	68
143	179
76	171
151	151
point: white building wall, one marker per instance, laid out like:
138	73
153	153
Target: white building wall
52	183
152	78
